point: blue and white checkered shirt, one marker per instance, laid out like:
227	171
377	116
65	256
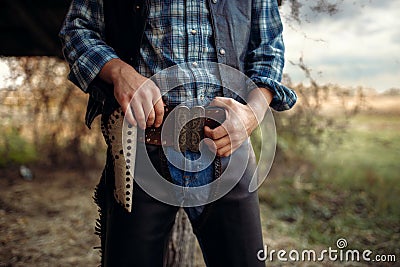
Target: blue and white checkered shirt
177	31
180	31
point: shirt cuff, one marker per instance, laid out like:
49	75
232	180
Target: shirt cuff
88	65
284	97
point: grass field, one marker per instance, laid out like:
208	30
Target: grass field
352	192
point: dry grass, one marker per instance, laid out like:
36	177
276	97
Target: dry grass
48	221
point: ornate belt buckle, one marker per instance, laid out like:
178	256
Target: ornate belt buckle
189	128
195	128
182	114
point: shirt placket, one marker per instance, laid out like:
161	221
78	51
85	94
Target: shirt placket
194	37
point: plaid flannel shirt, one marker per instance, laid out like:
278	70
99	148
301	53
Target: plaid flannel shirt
178	31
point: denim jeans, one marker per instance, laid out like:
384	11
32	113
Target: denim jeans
186	176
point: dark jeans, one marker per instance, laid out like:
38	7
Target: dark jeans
228	229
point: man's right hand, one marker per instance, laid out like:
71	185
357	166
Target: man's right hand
145	103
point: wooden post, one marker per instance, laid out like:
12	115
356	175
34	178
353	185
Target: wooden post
182	245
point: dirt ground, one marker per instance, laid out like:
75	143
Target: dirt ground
48	221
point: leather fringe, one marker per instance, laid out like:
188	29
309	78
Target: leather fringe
99	198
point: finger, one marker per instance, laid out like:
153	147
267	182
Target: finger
129	115
139	115
216	133
150	118
225	151
148	110
229	148
224	141
159	113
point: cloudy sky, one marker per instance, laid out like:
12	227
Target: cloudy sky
357	45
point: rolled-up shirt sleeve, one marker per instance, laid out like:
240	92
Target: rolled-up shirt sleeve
82	37
265	57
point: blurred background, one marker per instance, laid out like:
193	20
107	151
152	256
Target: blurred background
336	172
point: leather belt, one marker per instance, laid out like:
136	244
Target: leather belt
184	128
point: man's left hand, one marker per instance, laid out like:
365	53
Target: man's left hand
239	124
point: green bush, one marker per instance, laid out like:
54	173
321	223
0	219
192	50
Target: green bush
15	149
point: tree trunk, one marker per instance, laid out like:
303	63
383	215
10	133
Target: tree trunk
182	245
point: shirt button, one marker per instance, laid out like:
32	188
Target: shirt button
195	64
214	1
193	31
222	51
